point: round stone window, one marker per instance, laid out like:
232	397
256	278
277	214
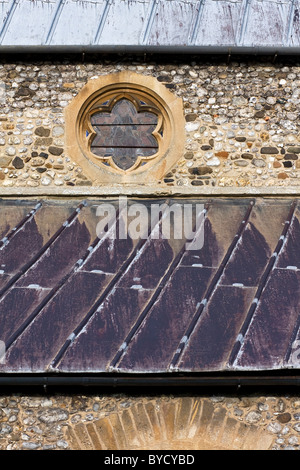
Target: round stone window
124	132
125	128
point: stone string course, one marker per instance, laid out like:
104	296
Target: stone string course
242	121
99	422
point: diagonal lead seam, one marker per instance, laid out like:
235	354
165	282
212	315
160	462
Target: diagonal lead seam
289	27
194	30
109	288
262	283
4	242
212	286
149	21
8	19
154	298
244	22
78	265
292	340
102	21
36	257
55	20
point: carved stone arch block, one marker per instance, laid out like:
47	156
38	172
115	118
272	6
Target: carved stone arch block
125	128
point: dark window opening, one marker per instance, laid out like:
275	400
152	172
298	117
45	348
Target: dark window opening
124	134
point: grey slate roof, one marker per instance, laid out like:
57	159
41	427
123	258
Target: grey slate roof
209	26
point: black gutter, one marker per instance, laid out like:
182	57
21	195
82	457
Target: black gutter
179	49
153	382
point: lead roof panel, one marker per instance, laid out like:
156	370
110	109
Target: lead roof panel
158	25
76	301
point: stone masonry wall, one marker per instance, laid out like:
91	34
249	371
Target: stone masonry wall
242	126
165	422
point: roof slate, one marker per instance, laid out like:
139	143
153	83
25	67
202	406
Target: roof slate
74	303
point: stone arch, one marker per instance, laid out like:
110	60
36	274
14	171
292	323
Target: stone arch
184	423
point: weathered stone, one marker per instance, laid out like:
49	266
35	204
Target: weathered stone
190	117
5	161
188	155
206	147
258	162
24	90
58	131
264	136
241	163
269	150
293	440
42	132
295	149
201	170
222	154
18	163
31	445
214	162
247	156
8	126
55	150
38	161
164	78
43	155
274	427
284	418
239	101
53	415
192	126
253	417
259	114
290	156
297	427
10	151
43	141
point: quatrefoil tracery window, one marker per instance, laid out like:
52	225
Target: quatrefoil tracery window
125	128
124	132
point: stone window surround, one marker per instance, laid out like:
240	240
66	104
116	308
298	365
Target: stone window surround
171	147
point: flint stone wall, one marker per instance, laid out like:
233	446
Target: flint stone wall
131	422
242	121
